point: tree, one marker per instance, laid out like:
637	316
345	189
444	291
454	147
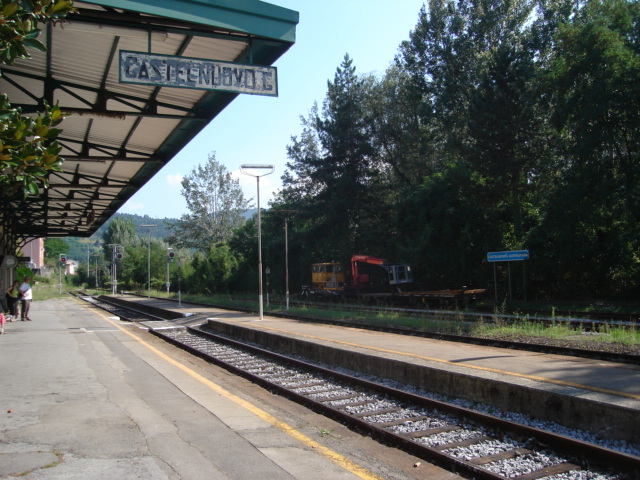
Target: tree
216	204
593	210
213	273
333	166
120	232
28	146
54	247
505	144
470	141
403	139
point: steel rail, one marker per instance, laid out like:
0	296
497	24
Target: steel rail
585	454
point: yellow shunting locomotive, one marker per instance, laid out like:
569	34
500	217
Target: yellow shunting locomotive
327	277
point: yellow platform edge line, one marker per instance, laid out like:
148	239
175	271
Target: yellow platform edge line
332	455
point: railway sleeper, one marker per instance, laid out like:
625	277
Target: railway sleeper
493	470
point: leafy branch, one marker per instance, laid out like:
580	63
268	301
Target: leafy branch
29	150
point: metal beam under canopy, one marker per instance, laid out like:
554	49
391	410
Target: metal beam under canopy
119	135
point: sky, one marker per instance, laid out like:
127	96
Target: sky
257	129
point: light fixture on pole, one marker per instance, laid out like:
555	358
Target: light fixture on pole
149	227
245	169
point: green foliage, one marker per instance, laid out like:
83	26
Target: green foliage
21	272
502	125
53	247
28	147
121	232
213	273
589	233
216	205
19	25
161	230
333	180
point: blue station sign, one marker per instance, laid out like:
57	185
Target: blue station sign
185	72
509	256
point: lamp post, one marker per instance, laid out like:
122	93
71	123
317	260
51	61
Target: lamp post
149	227
245	169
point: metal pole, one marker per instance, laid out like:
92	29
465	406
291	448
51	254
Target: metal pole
509	272
179	278
268	271
148	227
286	262
524	283
495	283
149	264
270	168
113	270
259	254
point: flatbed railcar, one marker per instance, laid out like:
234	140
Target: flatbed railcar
328	280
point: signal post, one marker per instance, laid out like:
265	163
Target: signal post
62	262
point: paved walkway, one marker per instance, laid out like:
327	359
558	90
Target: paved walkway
82	397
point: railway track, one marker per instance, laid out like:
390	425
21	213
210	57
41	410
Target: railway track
469	443
126	314
603	354
516	345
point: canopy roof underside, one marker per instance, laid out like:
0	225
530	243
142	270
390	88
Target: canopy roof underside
119	135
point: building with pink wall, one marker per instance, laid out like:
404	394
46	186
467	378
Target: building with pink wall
34	250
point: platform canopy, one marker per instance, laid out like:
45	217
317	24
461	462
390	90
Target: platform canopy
120	134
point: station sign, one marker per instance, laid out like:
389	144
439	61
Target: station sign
185	72
509	256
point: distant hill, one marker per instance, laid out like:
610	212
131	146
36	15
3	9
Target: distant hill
78	247
161	231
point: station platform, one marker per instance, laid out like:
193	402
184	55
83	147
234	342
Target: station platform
575	392
84	395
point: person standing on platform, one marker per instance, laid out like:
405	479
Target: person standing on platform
27	296
12	301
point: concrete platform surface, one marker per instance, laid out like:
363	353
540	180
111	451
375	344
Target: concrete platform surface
85	396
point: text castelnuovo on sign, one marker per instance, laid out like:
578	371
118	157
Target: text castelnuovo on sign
184	72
